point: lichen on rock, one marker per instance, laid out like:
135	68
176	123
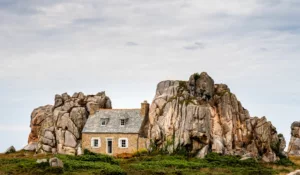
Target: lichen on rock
294	145
203	117
57	128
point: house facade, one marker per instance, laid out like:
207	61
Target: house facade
115	131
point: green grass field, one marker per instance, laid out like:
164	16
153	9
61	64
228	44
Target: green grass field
25	163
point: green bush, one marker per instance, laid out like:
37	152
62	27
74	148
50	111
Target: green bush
179	164
92	157
196	76
71	165
225	160
142	152
285	162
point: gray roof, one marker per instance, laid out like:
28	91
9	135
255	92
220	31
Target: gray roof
113	117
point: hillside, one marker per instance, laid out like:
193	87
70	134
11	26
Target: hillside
154	163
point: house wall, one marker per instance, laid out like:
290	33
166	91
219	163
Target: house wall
134	143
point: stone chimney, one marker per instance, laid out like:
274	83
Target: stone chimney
145	124
145	109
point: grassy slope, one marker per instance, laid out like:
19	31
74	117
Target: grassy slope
25	163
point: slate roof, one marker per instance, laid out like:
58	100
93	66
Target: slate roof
113	117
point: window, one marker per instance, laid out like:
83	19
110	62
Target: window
122	122
103	123
123	143
95	142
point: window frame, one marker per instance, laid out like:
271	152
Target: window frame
93	142
123	121
112	145
104	122
120	142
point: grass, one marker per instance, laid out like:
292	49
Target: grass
212	164
25	163
142	163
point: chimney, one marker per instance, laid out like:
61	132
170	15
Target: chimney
144	109
145	124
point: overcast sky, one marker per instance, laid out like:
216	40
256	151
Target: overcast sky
126	47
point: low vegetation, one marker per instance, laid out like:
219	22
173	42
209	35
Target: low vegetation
142	163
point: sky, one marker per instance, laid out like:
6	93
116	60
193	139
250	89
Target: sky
126	47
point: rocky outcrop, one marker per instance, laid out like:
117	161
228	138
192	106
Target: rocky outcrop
297	172
57	128
9	150
55	162
294	145
200	117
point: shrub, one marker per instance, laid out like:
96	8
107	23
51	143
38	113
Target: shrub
285	162
90	158
225	160
88	152
141	152
196	76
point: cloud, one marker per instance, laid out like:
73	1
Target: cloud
18	7
131	44
195	46
88	21
51	46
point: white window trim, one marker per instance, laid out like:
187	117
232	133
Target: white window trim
102	123
121	122
120	142
92	142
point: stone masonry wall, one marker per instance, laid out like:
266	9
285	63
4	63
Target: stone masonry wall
134	143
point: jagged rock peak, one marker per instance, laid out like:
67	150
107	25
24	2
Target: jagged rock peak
57	128
202	117
294	145
201	86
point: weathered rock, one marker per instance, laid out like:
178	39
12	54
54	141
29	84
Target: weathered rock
201	85
79	149
58	128
297	172
202	116
31	146
203	152
269	157
38	116
47	148
70	139
11	149
79	116
294	145
41	161
55	162
68	150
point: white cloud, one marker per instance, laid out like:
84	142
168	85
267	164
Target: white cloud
49	47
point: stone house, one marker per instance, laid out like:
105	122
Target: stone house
115	131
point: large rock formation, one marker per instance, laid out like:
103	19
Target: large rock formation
200	116
57	128
294	145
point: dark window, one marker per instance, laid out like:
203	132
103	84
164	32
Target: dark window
103	123
122	122
123	143
96	142
109	146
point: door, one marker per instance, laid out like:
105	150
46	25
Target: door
109	149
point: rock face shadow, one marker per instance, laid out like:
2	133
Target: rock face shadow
200	116
57	128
